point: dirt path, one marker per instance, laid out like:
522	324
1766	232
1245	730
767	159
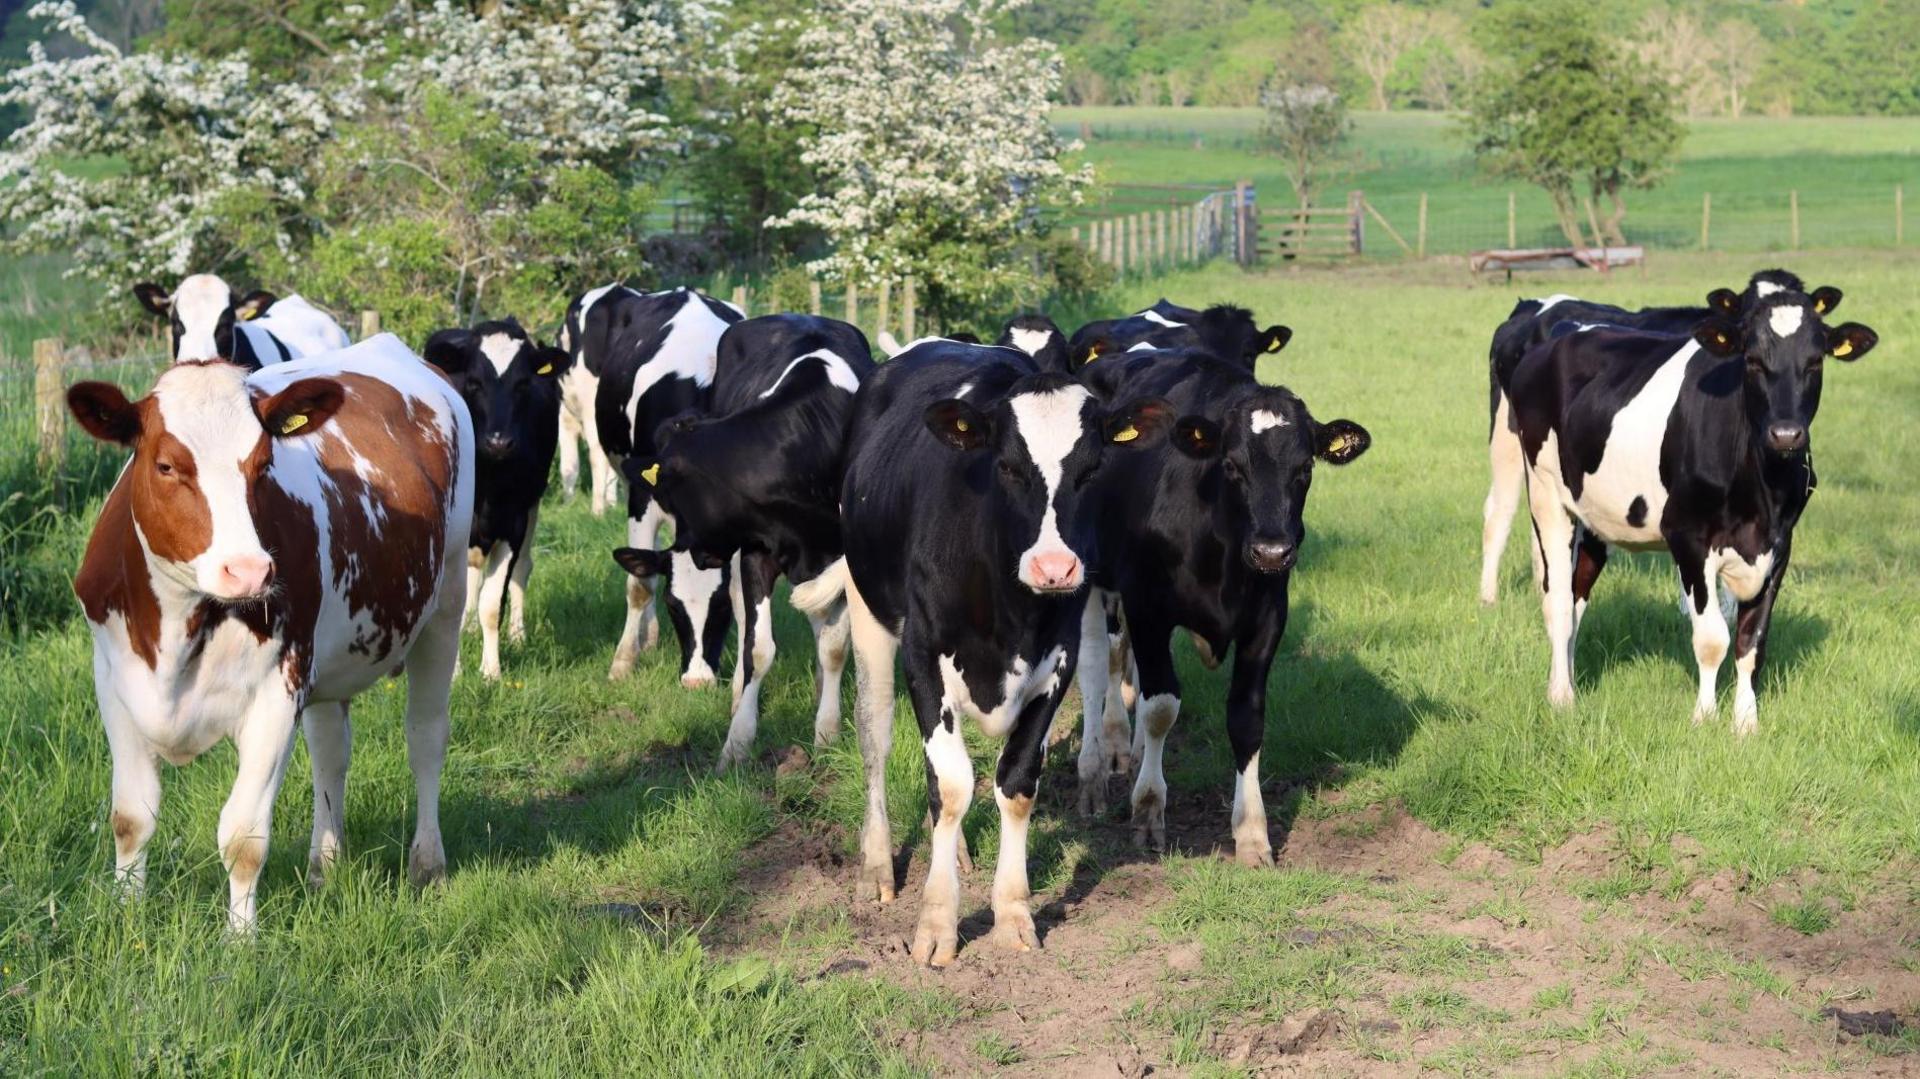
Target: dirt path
1432	955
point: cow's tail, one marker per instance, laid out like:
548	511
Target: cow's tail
890	344
816	596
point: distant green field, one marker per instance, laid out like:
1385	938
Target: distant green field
1844	168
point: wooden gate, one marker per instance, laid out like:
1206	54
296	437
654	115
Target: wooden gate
1329	232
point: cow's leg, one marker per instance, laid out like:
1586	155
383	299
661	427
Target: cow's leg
874	650
493	588
1094	670
1247	731
1589	558
329	733
429	684
694	596
830	633
136	794
263	743
1553	534
738	684
1159	707
1750	645
642	622
1016	783
1699	577
758	571
517	575
476	571
949	793
570	432
1508	466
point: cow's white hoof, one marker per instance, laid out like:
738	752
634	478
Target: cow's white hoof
731	755
426	864
490	671
1150	821
1745	723
695	681
1560	696
1703	715
1093	788
1257	853
875	883
621	668
935	940
1013	929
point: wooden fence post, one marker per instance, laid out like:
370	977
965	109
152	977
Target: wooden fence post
886	304
1355	200
369	324
740	298
853	302
1240	253
50	405
1120	244
1513	230
813	295
907	305
1420	250
1793	209
1160	236
1706	219
1899	215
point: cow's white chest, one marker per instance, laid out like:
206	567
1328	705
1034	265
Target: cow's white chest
180	709
1022	683
1629	471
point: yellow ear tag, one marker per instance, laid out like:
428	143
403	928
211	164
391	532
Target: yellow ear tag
545	369
248	314
1093	353
1126	434
651	474
1340	443
293	423
1844	348
1820	307
1274	345
962	426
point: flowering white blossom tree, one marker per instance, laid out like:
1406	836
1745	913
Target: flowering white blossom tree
931	142
135	162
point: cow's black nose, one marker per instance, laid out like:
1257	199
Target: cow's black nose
1271	556
1786	437
497	445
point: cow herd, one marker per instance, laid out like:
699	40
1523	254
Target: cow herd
301	516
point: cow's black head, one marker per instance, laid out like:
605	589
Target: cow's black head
1264	444
202	312
1230	333
697	479
1783	344
1037	336
1044	440
1767	283
511	386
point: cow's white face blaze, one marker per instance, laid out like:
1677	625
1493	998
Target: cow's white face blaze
1050	425
200	443
198	306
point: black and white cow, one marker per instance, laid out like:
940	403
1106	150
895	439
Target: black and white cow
757	484
1037	336
209	323
967	470
651	358
1696	444
1226	331
578	389
1535	321
1200	534
512	389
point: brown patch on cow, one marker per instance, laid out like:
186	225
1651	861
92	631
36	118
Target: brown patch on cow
244	856
387	563
172	512
113	576
126	832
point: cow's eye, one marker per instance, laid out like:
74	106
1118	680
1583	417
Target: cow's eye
164	468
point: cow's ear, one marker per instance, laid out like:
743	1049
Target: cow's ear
641	470
1140	424
1718	336
255	305
958	424
1197	437
551	362
300	408
154	298
448	350
1724	300
1275	338
1090	350
105	412
1849	341
641	562
1826	299
1340	441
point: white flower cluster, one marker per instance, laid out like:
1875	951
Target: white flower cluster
127	159
583	80
923	131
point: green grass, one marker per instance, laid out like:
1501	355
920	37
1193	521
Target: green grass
1844	169
565	792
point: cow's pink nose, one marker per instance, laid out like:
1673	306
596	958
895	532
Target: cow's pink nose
1056	569
246	575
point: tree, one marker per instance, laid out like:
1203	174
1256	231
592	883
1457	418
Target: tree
1562	107
934	153
1741	51
1376	39
1306	120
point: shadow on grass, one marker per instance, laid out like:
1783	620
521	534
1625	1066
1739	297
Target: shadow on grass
1623	629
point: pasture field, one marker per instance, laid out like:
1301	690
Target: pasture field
1844	168
1469	883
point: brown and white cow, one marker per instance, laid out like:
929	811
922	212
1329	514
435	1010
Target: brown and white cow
279	541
